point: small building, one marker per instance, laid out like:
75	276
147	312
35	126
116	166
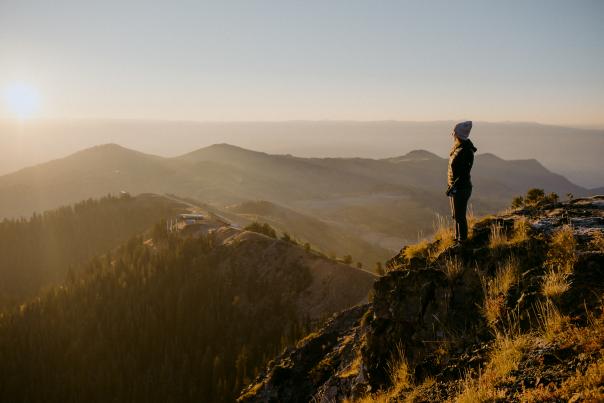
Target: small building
189	219
183	221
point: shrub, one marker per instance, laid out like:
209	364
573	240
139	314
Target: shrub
552	198
534	196
287	238
517	202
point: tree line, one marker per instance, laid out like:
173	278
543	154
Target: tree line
39	250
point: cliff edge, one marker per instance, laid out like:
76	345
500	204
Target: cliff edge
513	315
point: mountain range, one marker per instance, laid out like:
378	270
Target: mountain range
371	206
572	152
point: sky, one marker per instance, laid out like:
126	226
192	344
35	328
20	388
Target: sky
252	60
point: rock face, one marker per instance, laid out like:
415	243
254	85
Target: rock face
417	311
428	309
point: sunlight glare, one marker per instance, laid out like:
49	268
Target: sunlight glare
22	99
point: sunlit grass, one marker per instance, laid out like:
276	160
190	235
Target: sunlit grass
551	321
597	242
420	249
555	283
496	290
562	250
443	235
521	230
586	340
453	268
400	379
497	236
506	355
399	374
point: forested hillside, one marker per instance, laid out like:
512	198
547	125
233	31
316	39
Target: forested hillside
170	318
39	250
148	325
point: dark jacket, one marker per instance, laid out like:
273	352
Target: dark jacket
461	160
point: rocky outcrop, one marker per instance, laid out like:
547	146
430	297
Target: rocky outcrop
428	309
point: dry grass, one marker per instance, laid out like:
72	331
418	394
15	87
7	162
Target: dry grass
420	249
400	378
505	357
521	230
419	391
443	234
508	352
377	398
496	290
555	283
497	237
560	260
585	387
589	339
443	239
472	220
551	322
353	369
475	391
453	268
399	372
588	385
597	242
562	250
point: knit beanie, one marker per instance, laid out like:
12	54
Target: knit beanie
462	130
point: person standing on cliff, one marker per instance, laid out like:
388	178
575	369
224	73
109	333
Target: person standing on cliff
459	191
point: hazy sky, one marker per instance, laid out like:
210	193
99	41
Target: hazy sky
278	60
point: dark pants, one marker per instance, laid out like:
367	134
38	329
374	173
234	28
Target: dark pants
459	206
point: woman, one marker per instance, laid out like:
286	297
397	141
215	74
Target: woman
460	184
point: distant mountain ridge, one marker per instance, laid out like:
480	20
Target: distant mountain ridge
573	152
385	202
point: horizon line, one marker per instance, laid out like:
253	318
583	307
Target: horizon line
598	126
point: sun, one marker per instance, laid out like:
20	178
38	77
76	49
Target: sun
22	99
